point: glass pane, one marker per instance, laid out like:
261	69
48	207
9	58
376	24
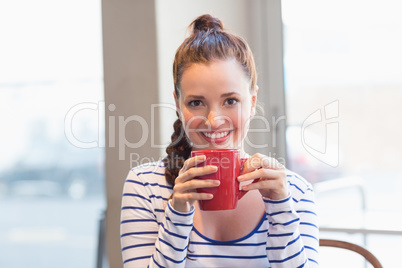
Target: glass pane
51	92
343	66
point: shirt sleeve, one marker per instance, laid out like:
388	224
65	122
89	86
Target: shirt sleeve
145	241
293	231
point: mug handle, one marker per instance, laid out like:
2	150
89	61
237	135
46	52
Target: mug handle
242	192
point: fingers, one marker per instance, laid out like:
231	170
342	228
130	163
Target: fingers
261	173
184	194
268	174
264	179
195	184
195	172
190	170
258	161
271	183
186	184
197	196
192	162
261	166
184	201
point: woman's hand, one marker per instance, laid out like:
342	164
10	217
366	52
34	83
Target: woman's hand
184	191
269	176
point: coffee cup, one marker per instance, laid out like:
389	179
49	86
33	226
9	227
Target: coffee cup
229	165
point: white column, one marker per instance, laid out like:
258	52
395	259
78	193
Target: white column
131	86
266	41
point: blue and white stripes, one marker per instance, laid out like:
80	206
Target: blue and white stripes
154	234
149	226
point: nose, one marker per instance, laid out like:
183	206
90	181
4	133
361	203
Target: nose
215	119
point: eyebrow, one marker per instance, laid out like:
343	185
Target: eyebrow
195	97
229	94
202	97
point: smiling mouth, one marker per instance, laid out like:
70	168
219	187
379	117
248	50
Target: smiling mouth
216	135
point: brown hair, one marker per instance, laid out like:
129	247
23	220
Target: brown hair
207	42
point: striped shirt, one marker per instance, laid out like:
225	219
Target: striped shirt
153	234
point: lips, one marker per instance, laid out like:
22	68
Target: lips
217	136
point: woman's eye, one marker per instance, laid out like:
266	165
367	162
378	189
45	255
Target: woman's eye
231	101
195	103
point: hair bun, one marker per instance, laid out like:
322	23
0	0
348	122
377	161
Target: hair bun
207	22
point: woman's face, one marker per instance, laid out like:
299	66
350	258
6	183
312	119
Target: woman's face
215	104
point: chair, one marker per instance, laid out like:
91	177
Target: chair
353	247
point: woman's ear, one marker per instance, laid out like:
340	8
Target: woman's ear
254	101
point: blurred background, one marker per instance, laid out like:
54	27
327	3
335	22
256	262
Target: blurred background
331	69
52	193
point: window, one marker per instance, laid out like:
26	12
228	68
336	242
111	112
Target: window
343	88
51	185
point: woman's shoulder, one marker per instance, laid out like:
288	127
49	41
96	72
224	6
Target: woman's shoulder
149	168
146	187
149	174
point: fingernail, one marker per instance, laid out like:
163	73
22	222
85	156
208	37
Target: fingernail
210	196
216	182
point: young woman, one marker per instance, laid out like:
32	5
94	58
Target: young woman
274	224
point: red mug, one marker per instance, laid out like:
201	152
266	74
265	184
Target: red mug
229	165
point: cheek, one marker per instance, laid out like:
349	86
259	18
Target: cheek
246	112
192	121
244	123
244	118
186	115
237	119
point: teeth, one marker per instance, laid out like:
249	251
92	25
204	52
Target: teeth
216	135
